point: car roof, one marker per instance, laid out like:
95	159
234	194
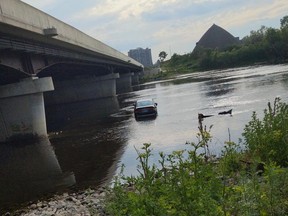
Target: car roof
148	99
144	102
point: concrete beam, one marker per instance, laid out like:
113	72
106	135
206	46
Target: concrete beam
81	89
124	83
27	86
19	18
22	108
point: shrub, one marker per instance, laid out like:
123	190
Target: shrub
267	139
193	182
180	185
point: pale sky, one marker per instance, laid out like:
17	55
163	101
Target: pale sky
173	26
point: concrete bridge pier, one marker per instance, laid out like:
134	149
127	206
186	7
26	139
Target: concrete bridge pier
135	78
22	108
124	83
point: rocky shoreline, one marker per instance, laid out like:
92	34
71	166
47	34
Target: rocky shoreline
83	203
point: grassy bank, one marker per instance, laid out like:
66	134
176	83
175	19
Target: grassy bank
243	181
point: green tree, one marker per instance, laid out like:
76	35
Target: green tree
255	37
267	138
162	55
284	22
284	33
274	45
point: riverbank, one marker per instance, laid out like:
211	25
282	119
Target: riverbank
82	203
238	182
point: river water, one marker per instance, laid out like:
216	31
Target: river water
89	141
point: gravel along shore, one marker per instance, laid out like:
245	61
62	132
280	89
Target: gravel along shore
85	203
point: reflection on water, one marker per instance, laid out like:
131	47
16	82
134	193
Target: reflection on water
67	116
91	151
91	138
28	170
216	90
86	142
82	151
179	101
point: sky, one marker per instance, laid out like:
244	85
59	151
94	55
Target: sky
173	26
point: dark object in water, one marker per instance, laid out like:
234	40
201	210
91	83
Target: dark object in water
200	119
225	112
201	116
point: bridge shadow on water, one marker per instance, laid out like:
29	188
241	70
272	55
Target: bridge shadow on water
29	169
82	151
72	115
85	141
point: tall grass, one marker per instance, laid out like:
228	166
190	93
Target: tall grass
186	182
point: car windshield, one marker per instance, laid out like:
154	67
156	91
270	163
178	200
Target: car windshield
144	103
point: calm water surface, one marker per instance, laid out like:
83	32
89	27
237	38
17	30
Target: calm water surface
85	149
179	101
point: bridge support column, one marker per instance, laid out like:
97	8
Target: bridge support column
135	79
124	83
81	89
22	108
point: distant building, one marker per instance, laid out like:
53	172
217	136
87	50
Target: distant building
216	38
142	55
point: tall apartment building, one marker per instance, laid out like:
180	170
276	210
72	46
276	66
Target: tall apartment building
142	55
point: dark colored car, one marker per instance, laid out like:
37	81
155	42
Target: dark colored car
145	108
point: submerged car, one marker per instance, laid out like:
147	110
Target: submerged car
145	108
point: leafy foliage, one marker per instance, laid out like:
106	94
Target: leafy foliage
193	182
266	45
268	139
162	55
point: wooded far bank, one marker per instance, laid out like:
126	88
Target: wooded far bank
264	46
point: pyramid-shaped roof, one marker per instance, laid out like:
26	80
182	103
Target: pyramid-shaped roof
216	37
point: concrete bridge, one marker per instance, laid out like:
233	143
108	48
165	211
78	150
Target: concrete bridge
44	59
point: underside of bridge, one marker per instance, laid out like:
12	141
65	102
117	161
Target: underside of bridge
70	70
35	67
10	75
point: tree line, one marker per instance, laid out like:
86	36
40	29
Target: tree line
266	45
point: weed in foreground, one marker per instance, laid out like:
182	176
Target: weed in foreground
189	182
